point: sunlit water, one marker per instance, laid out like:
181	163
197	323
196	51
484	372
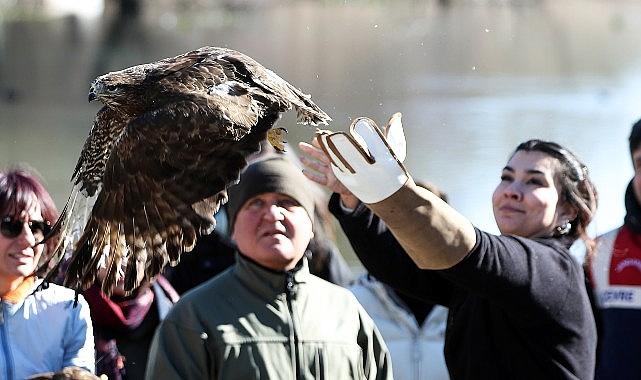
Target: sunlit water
472	79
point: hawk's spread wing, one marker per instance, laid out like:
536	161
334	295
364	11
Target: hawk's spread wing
164	180
172	136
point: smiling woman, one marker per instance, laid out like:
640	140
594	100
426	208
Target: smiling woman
22	225
47	332
518	306
547	189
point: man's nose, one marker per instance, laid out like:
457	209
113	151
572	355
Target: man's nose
274	212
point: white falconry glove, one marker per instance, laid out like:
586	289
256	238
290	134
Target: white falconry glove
368	161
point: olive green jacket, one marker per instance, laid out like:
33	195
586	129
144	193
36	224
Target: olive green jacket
254	323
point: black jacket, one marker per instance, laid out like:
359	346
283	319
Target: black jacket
518	307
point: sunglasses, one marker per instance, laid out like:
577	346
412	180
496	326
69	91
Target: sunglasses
11	228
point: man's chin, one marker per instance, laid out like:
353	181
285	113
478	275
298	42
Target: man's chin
277	250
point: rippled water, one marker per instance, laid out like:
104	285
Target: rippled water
472	79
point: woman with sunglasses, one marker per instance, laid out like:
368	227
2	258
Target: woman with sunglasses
40	331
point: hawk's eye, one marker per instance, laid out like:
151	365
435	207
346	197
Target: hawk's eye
111	87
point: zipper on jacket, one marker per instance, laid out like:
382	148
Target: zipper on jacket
289	293
8	360
417	355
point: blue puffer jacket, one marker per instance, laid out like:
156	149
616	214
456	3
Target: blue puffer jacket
43	332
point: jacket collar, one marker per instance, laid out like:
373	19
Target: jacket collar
268	282
18	294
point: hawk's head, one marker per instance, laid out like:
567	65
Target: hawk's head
119	88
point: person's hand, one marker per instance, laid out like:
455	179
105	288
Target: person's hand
368	161
317	168
67	373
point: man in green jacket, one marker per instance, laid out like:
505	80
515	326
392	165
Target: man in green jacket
267	317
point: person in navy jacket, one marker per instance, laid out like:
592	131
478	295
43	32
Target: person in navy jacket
615	273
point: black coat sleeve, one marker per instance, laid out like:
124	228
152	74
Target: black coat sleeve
532	279
383	257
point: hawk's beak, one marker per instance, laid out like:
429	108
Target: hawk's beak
92	96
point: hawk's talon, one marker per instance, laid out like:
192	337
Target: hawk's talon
276	137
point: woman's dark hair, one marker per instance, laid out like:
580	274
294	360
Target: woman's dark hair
18	190
576	187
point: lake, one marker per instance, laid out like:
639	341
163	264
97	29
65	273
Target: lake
472	78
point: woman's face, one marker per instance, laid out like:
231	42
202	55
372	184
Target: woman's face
18	256
527	200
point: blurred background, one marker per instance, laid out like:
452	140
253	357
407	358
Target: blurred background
472	78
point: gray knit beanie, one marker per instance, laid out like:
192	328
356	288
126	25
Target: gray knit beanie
273	174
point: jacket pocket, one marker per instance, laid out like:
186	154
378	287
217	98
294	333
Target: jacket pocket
336	361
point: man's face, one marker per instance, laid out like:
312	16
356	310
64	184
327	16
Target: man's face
636	181
273	229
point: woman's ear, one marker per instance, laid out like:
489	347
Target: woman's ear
566	212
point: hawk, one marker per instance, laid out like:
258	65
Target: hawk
171	137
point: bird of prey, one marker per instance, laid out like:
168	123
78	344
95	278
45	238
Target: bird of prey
171	137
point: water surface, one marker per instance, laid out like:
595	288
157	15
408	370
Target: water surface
472	79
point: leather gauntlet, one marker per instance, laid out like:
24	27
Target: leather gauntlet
369	162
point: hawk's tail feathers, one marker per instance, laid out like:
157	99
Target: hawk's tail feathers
82	255
68	229
206	209
132	232
135	270
90	250
136	245
117	252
